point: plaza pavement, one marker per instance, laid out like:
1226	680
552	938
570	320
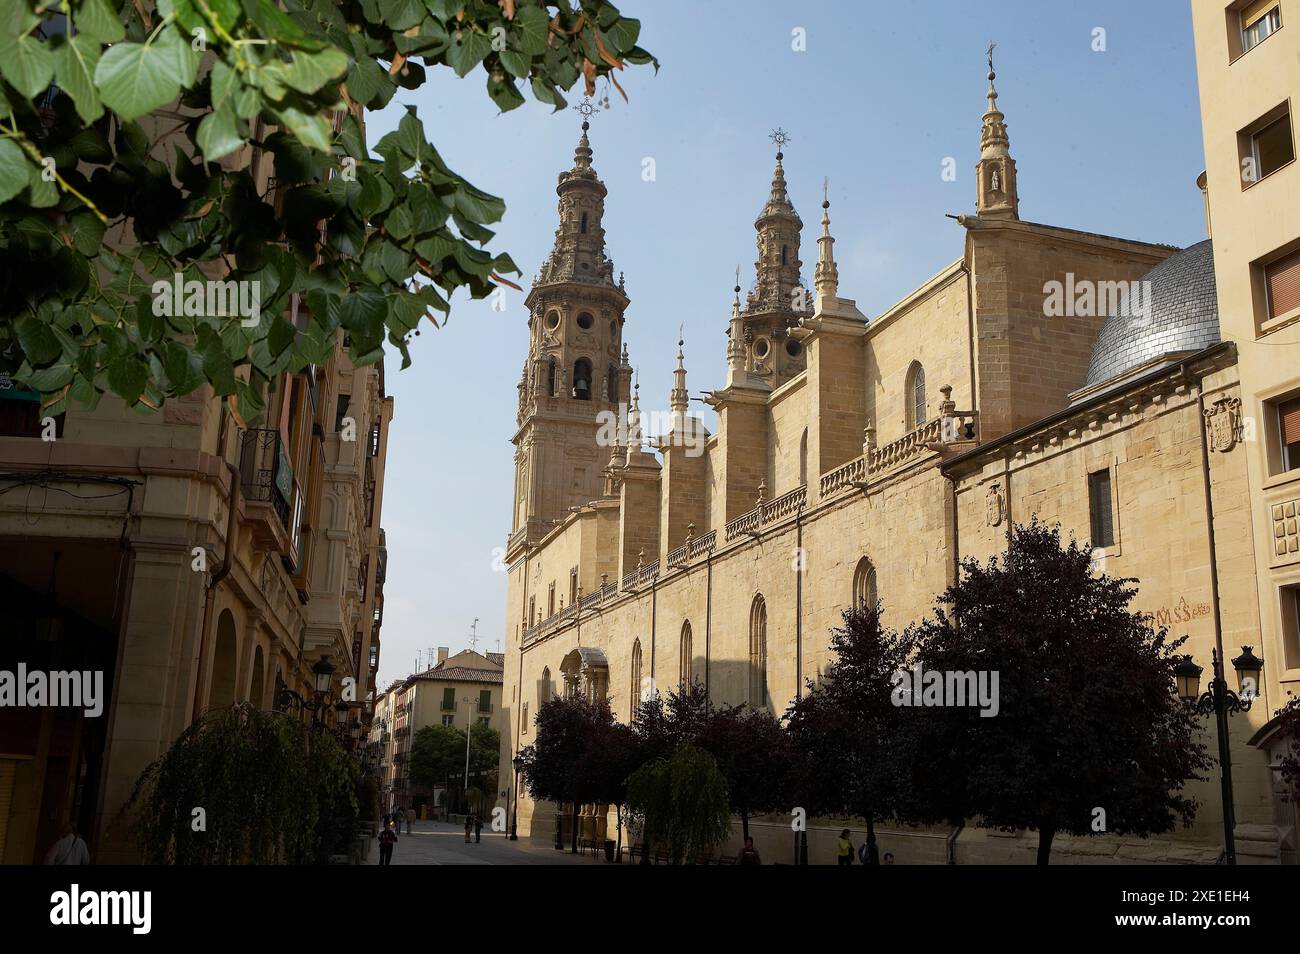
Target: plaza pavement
437	843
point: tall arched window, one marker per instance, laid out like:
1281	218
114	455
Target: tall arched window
916	415
864	585
582	379
544	690
583	226
758	653
685	674
636	677
550	378
611	382
803	458
784	256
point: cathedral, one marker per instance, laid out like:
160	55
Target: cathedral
1082	378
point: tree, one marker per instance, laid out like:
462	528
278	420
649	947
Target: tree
851	740
683	802
242	786
436	751
753	753
1288	719
563	764
105	196
615	753
1089	734
664	724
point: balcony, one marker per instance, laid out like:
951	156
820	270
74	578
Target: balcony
766	512
448	705
485	707
266	484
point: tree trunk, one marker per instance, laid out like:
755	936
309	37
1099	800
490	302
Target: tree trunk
645	849
574	834
873	854
744	822
618	822
1045	836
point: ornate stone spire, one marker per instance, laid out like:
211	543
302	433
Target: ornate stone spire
826	277
778	227
736	332
579	250
634	436
996	171
679	400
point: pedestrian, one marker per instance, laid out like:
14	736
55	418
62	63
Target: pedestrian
478	828
410	817
469	823
889	857
749	854
387	838
70	849
845	848
868	854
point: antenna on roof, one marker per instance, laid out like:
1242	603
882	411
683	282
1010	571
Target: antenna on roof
473	634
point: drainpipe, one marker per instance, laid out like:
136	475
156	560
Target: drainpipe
210	595
654	610
708	616
798	605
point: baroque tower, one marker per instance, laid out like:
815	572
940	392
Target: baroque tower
576	367
778	299
996	170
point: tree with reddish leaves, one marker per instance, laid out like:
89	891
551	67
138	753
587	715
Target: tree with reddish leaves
850	741
1087	716
753	754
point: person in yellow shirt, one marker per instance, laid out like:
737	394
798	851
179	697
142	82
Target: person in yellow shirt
845	848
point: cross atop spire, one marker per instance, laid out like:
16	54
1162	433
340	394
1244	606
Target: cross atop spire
780	137
997	197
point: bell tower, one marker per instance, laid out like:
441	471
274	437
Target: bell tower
779	298
998	197
576	366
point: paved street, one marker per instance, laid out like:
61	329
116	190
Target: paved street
437	843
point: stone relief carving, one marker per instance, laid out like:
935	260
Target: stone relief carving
1223	419
994	506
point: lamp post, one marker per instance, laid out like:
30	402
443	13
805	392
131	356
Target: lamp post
518	763
1222	701
322	678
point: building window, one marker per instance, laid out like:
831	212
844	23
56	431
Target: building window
449	700
635	695
1288	425
449	720
1259	21
1100	509
864	585
523	724
1290	597
532	610
684	675
758	653
550	601
485	721
612	383
1282	285
573	586
803	458
582	379
544	691
485	700
582	227
915	396
1266	145
784	255
585	321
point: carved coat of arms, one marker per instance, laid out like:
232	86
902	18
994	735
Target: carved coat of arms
1223	419
993	506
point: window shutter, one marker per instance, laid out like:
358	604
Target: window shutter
1283	280
1255	11
1289	417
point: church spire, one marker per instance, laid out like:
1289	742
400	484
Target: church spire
996	172
778	227
736	333
579	250
679	399
826	277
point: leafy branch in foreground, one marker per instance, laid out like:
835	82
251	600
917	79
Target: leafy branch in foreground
124	163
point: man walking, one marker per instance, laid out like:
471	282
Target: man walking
70	849
387	838
410	817
478	828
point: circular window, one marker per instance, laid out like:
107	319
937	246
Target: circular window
553	321
792	348
761	347
584	321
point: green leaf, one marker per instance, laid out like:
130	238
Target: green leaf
623	35
401	14
532	27
311	128
87	233
467	51
224	80
75	59
181	58
26	62
517	64
505	94
95	20
13	169
41	193
135	79
218	133
127	377
38	340
308	71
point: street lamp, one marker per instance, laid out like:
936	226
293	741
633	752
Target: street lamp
1221	701
323	672
518	763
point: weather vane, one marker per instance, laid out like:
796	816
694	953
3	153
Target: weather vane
780	137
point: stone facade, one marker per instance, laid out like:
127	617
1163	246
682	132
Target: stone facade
901	445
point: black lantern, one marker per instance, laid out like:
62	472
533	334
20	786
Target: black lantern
341	710
1248	667
324	673
1188	676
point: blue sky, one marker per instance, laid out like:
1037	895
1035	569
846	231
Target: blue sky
1104	141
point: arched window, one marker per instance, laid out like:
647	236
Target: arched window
221	691
758	653
544	690
583	226
550	378
685	675
636	678
803	458
611	382
916	415
582	379
864	585
784	257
